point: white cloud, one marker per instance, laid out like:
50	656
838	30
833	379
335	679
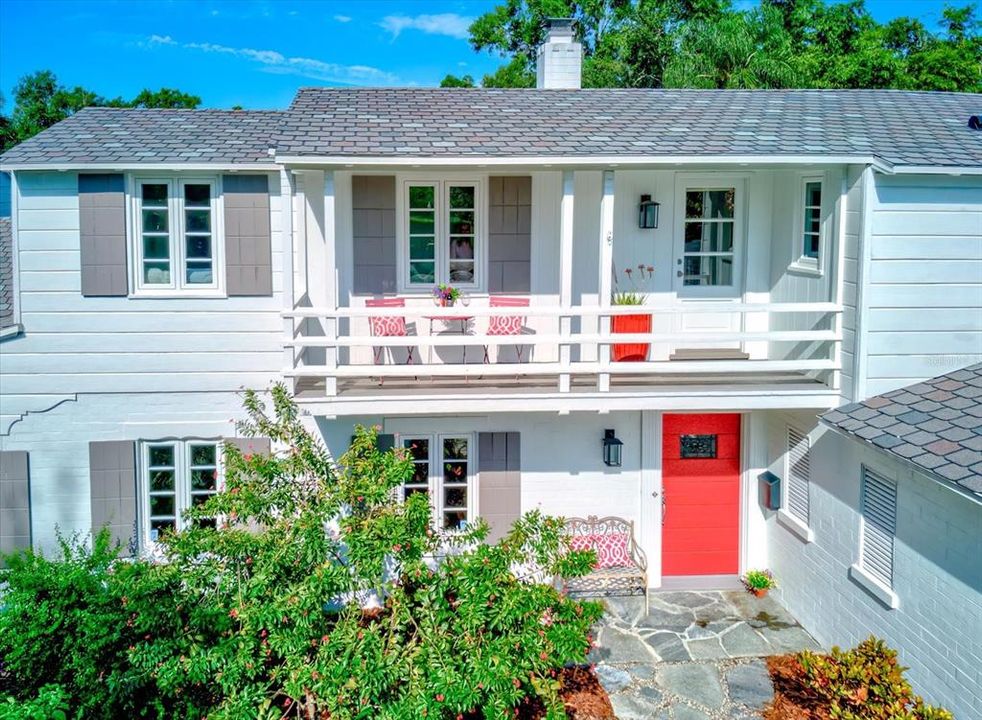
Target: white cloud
450	24
276	62
343	18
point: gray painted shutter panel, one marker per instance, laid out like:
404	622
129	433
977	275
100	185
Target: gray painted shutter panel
112	478
499	481
15	501
250	446
373	200
248	237
102	229
510	241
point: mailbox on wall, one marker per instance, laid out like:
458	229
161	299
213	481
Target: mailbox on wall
770	490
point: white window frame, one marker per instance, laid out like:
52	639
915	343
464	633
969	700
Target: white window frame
799	260
787	516
442	184
178	285
183	493
436	484
871	579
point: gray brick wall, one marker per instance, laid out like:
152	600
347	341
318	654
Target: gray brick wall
937	627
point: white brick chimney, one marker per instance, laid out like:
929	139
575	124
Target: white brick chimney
560	57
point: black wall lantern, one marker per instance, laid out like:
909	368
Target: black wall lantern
612	449
647	213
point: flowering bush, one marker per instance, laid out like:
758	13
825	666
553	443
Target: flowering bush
316	594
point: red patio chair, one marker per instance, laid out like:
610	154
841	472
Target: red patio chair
389	325
506	324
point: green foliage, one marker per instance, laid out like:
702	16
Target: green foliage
865	683
316	594
708	44
40	102
64	631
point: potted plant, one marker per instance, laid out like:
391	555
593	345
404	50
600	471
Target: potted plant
445	295
640	323
758	582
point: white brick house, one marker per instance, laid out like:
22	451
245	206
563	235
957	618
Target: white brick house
812	248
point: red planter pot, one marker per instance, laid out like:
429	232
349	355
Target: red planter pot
630	352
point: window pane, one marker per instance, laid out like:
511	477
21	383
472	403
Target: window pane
162	456
161	504
418	449
455	497
154	194
199	273
455	449
709	271
462	271
154	220
156	273
156	247
709	203
197	220
421	248
455	520
461	196
462	222
421	196
203	454
161	479
709	237
197	195
204	479
813	194
421	222
198	247
422	272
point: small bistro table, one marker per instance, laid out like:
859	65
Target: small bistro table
462	319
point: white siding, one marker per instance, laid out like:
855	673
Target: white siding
924	295
937	567
73	344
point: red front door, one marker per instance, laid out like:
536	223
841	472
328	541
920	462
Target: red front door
701	494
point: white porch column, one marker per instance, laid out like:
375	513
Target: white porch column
606	272
565	275
286	230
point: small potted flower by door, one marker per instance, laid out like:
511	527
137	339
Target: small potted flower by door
633	323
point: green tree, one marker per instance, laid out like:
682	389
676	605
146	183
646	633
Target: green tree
40	102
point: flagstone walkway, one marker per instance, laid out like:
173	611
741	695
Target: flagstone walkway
694	655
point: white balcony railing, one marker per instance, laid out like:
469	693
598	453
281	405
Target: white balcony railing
336	344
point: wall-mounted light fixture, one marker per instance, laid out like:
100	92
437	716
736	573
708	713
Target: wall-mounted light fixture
612	449
647	213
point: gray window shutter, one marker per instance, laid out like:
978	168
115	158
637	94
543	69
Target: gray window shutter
112	478
102	228
15	501
373	201
510	242
499	480
248	243
250	446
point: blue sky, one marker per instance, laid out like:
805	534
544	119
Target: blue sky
256	54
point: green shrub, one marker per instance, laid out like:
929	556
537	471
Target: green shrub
865	683
310	592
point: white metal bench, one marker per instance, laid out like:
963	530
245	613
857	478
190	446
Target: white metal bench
621	567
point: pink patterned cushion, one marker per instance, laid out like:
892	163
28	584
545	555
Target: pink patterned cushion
510	325
611	549
388	326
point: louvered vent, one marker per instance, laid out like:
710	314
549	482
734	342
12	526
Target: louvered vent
879	525
798	474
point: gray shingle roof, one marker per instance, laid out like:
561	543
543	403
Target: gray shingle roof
108	135
901	128
6	273
935	424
